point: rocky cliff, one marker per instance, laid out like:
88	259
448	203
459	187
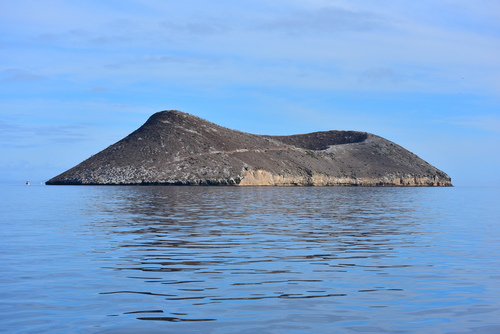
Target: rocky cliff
175	148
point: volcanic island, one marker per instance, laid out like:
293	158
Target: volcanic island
176	148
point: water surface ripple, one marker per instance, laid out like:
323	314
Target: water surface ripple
250	260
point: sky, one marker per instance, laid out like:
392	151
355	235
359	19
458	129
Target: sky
77	76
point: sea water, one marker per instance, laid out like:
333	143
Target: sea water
163	259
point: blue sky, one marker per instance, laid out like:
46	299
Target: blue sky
77	76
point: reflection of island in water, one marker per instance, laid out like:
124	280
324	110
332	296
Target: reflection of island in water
211	245
173	147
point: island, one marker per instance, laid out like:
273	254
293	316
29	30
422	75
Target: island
176	148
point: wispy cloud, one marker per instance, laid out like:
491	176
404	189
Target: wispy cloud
201	27
16	135
99	90
14	75
325	20
378	75
490	123
86	38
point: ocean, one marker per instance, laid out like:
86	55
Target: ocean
165	259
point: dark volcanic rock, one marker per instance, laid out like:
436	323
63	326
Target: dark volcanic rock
176	148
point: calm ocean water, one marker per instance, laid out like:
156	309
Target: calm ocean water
88	259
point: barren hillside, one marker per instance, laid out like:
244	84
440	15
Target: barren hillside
175	148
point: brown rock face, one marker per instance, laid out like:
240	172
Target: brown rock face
175	148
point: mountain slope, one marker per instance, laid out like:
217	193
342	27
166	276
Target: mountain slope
176	148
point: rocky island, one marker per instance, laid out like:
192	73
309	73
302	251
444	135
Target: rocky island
176	148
